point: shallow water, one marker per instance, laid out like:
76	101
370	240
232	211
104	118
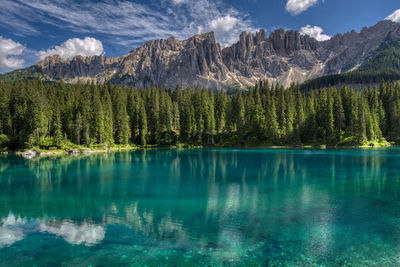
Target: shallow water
205	207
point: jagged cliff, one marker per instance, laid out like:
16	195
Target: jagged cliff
282	57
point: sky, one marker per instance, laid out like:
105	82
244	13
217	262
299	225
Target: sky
30	30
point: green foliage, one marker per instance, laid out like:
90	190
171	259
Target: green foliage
61	116
4	140
28	73
387	57
364	77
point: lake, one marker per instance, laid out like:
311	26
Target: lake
202	207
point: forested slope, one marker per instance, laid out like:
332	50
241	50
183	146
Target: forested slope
384	65
33	114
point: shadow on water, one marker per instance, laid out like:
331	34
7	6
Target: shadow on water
203	206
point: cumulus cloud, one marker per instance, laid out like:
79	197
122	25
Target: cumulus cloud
223	24
296	7
9	54
222	27
227	24
315	32
395	16
74	47
126	23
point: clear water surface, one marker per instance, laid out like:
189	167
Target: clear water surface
202	207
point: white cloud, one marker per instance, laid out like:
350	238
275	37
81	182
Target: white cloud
125	23
223	24
74	47
223	28
395	16
177	2
18	17
296	7
227	23
9	54
315	32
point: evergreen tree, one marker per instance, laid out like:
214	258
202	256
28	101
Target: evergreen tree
142	121
108	136
338	116
310	131
121	118
97	117
272	126
221	103
78	128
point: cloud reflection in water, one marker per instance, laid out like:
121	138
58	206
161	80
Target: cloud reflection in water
13	229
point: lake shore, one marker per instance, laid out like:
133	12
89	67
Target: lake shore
38	152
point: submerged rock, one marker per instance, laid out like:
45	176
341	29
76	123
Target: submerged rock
212	245
29	154
74	152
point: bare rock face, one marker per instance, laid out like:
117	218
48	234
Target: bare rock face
257	56
172	62
78	67
283	57
350	50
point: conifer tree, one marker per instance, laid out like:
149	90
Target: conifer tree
78	128
58	136
272	126
338	115
281	112
97	117
108	136
238	112
121	118
220	113
142	122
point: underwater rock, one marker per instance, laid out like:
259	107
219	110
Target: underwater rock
29	154
74	152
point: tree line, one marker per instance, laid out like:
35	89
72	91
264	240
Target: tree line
363	78
33	113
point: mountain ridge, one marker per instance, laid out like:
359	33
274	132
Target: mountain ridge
283	57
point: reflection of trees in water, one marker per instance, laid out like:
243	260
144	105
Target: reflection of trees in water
174	194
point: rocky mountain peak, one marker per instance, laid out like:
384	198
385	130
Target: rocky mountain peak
210	36
282	57
50	60
348	51
260	36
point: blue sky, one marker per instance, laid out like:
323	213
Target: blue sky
33	29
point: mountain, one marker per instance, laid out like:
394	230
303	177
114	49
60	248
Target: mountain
382	65
282	57
387	57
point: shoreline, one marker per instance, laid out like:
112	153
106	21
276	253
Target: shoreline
36	152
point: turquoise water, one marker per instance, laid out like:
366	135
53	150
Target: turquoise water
205	207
